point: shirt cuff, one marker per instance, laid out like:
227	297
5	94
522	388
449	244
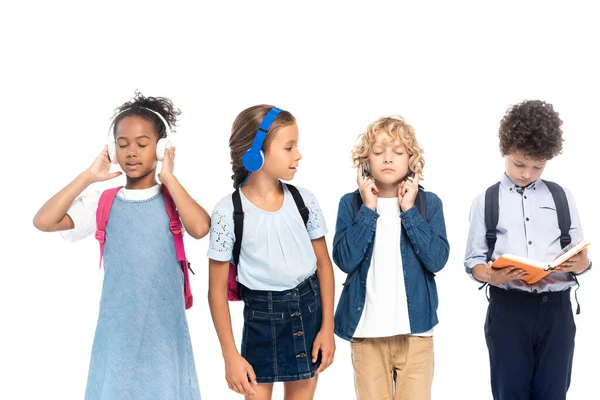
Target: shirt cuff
411	217
585	270
219	255
366	215
317	233
470	264
68	235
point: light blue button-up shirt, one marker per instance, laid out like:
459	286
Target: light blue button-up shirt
527	227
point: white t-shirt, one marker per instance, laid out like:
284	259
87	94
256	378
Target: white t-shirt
83	210
277	252
385	312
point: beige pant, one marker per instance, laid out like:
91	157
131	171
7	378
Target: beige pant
398	367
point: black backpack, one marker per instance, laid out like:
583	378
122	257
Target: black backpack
238	223
492	208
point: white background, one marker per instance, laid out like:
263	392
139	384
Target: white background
450	69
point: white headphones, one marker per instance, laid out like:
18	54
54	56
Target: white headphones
162	145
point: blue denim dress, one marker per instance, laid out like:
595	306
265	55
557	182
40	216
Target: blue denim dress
142	348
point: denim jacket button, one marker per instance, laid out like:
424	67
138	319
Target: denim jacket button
359	308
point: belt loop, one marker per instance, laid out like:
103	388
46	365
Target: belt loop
313	284
270	300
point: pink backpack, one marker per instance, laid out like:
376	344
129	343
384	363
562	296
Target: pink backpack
104	205
233	289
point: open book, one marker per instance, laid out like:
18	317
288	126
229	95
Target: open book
537	270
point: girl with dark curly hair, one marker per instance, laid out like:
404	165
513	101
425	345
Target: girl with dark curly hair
142	348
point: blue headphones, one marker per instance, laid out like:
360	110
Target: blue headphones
254	158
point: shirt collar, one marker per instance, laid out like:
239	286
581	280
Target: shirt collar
139	194
510	185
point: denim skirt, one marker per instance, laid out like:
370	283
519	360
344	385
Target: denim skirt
279	331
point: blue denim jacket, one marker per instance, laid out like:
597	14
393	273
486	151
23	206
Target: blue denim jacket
424	250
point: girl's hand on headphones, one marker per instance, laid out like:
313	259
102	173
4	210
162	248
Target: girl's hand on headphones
100	169
168	164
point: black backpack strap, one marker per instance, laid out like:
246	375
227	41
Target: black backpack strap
491	210
238	225
356	203
576	299
420	203
299	202
562	211
564	222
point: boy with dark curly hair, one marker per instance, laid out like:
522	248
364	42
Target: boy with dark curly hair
529	329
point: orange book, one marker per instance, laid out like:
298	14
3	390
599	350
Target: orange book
537	270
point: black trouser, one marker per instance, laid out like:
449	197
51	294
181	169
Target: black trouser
530	339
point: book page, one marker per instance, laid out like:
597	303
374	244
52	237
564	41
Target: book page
569	251
520	260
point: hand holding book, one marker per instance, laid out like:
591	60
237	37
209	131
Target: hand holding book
499	276
576	264
573	258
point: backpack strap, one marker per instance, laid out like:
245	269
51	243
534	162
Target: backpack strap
238	225
562	211
563	214
420	202
356	203
177	231
491	213
299	202
104	204
491	210
564	223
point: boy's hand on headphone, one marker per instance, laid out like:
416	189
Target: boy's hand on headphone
368	190
100	169
407	192
168	164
